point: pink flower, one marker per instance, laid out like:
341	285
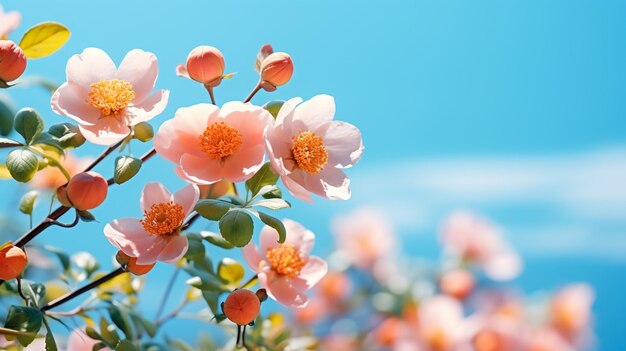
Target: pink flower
570	312
308	149
440	323
208	144
157	236
107	101
474	239
286	270
79	341
546	339
364	236
8	22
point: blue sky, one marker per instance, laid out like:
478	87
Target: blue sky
513	109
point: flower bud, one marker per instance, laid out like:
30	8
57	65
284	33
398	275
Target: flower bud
242	307
131	264
12	261
12	62
457	283
87	190
205	64
143	131
276	70
62	196
262	295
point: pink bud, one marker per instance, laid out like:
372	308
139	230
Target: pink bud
87	190
205	64
276	70
12	61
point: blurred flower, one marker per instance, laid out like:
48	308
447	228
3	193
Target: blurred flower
79	341
205	64
475	240
495	333
286	270
365	236
242	307
8	22
440	320
308	149
107	101
276	70
313	312
12	62
157	236
208	144
457	283
339	342
86	190
570	311
13	260
51	178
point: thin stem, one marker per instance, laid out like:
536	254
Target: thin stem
210	90
67	297
249	281
67	225
103	155
19	289
253	92
168	290
172	314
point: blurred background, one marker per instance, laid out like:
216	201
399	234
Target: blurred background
514	110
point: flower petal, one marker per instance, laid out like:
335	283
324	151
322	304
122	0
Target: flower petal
343	142
89	67
149	108
282	289
140	69
286	111
174	250
313	271
299	237
200	170
154	193
67	102
331	183
311	114
296	189
9	22
106	131
187	197
128	235
181	71
251	255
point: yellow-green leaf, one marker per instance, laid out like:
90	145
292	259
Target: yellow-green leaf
44	39
231	271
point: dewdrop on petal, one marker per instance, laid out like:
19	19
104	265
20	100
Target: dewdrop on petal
12	62
12	262
276	70
242	307
87	190
205	64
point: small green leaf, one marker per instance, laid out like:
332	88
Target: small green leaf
272	204
7	114
121	320
273	107
22	164
24	319
196	248
275	223
263	177
216	240
48	139
69	135
211	298
63	257
236	227
231	271
213	209
92	333
125	345
126	167
85	216
109	335
28	123
4	142
27	202
51	344
44	39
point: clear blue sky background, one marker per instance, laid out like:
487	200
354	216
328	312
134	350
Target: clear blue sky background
514	109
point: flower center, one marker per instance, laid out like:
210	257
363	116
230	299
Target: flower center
309	151
111	96
164	218
437	340
220	140
285	260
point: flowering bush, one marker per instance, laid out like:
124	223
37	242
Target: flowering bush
232	157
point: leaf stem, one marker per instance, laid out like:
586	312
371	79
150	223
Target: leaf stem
253	92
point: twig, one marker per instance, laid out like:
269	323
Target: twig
253	92
168	290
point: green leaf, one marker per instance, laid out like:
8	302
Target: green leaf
216	240
85	216
34	292
68	135
196	248
125	345
273	107
211	298
274	194
272	204
28	123
22	164
205	281
126	167
92	333
26	320
63	257
7	114
236	227
121	320
4	142
213	209
51	344
275	223
27	202
44	39
48	139
109	335
263	177
231	271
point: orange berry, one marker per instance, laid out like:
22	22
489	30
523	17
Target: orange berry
12	61
276	70
12	262
205	64
87	190
242	306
